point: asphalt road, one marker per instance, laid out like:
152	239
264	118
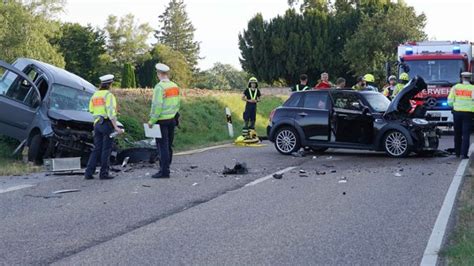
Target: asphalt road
362	208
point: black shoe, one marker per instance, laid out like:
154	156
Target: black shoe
160	175
88	177
107	177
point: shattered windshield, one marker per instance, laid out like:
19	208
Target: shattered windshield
67	98
437	71
377	101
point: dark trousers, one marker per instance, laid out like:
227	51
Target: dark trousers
102	149
250	115
462	132
165	144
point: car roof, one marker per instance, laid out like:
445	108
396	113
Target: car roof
58	75
348	90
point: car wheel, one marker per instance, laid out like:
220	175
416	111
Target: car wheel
319	149
287	141
34	150
396	144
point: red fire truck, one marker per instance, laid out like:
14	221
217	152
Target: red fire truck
440	64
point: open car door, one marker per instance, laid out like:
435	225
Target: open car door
19	102
350	121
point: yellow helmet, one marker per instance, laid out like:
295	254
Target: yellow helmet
253	80
369	78
404	76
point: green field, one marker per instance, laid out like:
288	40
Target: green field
203	122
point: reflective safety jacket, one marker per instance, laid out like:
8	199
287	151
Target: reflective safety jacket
103	104
166	102
460	98
398	88
301	89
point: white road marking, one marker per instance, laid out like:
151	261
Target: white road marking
430	256
202	150
260	180
15	188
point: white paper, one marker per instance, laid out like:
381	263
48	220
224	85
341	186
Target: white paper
154	132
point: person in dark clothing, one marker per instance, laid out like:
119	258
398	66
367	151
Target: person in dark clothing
251	97
303	85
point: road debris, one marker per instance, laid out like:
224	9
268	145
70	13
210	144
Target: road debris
193	166
195	184
278	176
239	169
146	186
315	157
343	193
329	157
320	172
63	191
300	153
125	161
343	180
397	174
333	171
302	171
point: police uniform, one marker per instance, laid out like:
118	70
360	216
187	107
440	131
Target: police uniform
390	90
250	113
300	87
164	110
461	99
103	106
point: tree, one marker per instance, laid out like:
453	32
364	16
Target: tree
223	77
128	76
127	41
83	48
181	72
377	37
177	32
27	30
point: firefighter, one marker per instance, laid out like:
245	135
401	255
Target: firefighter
324	82
251	97
103	107
360	85
370	81
390	90
164	111
303	85
461	99
402	81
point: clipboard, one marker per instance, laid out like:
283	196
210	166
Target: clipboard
154	132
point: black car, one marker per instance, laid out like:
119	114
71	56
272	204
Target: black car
365	120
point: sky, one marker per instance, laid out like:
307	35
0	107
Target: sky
218	22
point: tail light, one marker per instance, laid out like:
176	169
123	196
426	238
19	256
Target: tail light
271	115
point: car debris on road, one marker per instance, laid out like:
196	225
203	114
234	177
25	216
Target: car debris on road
238	169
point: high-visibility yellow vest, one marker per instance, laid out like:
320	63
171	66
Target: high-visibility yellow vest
166	101
303	89
398	88
460	98
103	104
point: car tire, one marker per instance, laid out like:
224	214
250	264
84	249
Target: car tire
319	149
395	144
287	140
34	150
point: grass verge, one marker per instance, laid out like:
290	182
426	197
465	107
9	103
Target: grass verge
10	165
460	248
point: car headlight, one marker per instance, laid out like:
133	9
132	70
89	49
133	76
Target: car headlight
419	121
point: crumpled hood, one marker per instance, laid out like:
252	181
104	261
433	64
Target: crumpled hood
71	116
401	103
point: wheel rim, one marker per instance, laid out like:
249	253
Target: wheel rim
286	141
396	143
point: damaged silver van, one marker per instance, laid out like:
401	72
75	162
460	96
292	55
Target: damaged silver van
46	109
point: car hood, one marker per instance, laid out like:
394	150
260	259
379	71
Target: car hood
70	116
401	103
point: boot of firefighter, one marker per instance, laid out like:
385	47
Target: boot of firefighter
253	134
245	133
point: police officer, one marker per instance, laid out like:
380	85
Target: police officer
303	85
251	97
164	109
461	99
103	107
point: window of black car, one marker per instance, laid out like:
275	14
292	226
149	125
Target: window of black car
293	101
316	100
67	98
344	100
377	101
